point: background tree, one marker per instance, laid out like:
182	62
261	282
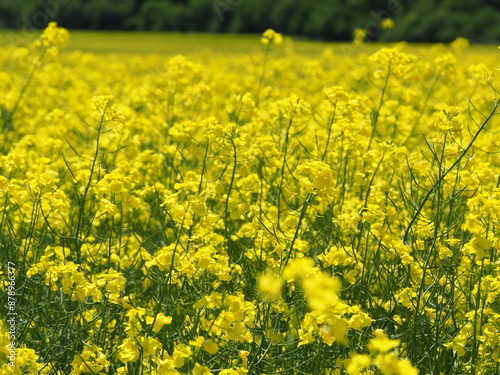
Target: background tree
417	21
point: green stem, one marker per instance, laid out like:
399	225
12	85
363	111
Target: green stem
10	114
441	178
377	112
81	211
476	329
226	209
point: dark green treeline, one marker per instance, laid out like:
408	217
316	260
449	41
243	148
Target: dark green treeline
416	20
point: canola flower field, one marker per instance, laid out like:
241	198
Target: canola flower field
268	213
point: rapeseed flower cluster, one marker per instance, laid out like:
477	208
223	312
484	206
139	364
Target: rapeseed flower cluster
330	214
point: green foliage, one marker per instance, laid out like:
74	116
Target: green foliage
109	15
430	21
159	15
12	13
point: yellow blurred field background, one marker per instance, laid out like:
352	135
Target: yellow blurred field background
169	44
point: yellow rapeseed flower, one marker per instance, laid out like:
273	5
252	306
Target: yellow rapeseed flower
387	23
270	286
